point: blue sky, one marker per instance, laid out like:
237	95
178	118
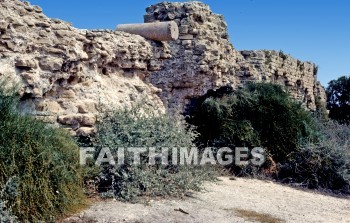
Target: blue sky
312	30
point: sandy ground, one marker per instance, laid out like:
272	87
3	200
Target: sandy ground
222	203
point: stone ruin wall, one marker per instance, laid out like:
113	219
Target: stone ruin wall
203	58
69	76
299	77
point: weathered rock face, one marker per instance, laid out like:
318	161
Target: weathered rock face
68	75
299	77
203	59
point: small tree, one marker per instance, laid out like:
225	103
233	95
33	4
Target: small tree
338	99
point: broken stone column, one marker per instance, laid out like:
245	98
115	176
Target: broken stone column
160	31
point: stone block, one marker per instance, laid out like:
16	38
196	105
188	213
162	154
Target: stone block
186	37
171	16
68	94
88	120
3	25
69	119
88	106
37	9
50	63
42	24
183	29
48	106
85	131
25	63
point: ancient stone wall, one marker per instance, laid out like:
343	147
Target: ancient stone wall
69	76
299	77
203	59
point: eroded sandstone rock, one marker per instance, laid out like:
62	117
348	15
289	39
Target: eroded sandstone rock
70	77
204	59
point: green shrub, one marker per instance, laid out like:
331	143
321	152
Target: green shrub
306	150
43	160
140	127
259	115
322	164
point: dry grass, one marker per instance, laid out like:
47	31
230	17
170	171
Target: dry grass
256	216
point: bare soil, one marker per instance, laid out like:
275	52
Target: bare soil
239	200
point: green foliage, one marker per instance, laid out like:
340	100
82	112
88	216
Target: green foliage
43	160
309	151
324	163
259	115
140	127
338	99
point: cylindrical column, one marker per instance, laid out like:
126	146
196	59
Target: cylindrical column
160	31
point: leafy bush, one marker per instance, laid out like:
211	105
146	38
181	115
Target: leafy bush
259	115
305	149
44	161
140	127
322	164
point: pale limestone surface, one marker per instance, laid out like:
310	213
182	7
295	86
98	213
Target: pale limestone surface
69	77
204	59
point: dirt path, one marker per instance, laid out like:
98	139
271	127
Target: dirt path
240	200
